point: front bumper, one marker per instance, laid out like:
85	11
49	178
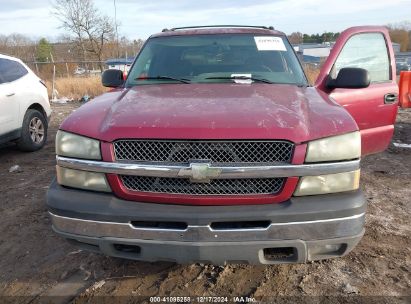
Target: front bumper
299	230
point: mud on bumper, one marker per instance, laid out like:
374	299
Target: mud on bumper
299	230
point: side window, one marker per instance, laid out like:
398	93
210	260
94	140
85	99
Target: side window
143	69
11	70
367	51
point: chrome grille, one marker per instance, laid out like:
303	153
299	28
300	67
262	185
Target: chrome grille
248	186
215	151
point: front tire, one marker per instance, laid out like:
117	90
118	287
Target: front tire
33	131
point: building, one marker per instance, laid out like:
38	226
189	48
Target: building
313	49
122	64
396	47
323	49
403	55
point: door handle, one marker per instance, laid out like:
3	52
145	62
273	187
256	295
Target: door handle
10	94
390	98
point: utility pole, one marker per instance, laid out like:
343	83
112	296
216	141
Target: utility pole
115	23
53	83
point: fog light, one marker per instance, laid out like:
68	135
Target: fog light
315	252
331	183
82	179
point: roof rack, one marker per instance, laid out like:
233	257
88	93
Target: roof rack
217	26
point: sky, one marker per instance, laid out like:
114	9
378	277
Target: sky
138	19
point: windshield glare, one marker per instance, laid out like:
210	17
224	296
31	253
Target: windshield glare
216	58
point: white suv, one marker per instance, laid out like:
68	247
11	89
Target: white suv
24	105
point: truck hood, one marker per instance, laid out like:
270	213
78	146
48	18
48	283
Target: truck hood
211	111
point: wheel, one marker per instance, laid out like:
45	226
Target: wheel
33	131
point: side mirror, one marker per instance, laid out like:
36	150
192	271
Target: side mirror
350	78
112	78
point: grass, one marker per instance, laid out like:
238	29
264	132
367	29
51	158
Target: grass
77	87
312	73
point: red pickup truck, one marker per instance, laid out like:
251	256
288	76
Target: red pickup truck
216	149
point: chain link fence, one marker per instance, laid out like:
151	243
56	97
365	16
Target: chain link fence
71	80
58	69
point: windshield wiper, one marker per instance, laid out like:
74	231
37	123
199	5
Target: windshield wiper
242	78
182	80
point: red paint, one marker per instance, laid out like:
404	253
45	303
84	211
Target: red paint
405	89
211	111
107	151
120	191
370	145
299	154
239	111
374	118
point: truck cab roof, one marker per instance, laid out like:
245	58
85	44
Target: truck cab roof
219	29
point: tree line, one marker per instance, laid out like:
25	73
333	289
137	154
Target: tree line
92	36
399	32
89	36
298	37
63	49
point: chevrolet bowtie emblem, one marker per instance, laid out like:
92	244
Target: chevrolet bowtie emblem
200	172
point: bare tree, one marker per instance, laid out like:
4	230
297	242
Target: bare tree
400	32
88	27
18	45
296	37
402	25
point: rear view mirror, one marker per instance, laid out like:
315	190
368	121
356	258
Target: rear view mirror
405	89
350	78
112	78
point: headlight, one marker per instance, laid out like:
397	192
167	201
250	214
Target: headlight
331	183
72	145
82	179
342	147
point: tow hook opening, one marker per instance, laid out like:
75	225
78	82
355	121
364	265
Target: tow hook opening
159	225
240	225
127	248
280	254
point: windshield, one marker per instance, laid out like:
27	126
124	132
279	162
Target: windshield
216	58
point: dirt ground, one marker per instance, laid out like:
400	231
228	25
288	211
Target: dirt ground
36	264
